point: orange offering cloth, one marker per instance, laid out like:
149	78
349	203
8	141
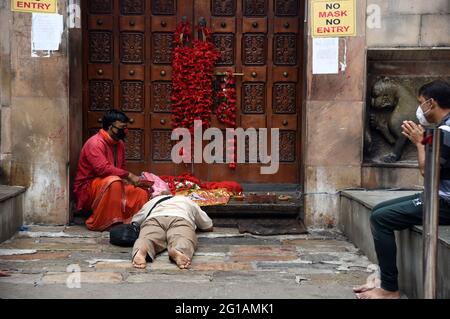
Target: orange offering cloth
208	197
113	202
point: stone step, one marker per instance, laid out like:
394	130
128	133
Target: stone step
235	210
291	208
11	210
354	221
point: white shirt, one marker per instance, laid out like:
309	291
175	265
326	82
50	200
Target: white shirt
177	206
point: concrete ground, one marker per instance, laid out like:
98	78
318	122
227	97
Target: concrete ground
71	262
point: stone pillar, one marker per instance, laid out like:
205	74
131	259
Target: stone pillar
5	92
333	141
39	123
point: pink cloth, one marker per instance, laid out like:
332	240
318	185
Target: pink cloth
159	185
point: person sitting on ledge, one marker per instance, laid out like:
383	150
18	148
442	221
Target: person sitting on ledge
404	212
102	183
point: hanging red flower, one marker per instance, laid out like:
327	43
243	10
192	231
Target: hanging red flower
226	111
192	78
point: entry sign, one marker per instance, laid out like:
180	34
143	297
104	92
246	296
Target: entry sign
333	18
41	6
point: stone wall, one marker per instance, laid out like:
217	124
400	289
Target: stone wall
35	108
335	104
408	23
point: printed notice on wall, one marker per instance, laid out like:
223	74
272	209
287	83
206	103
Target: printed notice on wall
333	18
46	32
43	6
325	55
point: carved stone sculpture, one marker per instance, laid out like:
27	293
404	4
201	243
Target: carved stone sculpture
390	105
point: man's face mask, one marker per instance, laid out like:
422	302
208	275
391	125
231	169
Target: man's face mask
421	114
121	133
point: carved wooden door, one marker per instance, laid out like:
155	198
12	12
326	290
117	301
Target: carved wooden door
128	55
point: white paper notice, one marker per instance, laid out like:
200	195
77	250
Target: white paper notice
325	55
46	31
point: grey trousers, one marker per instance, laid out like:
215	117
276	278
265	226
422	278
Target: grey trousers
166	232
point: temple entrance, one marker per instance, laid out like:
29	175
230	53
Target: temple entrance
127	56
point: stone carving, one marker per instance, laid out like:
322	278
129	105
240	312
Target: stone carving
391	103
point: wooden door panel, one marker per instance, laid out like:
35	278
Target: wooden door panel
164	23
132	72
161	73
132	23
290	25
161	121
284	74
128	56
164	20
255	25
135	7
285	122
161	97
223	24
100	22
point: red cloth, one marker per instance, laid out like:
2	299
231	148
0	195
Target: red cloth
234	187
97	160
427	140
231	186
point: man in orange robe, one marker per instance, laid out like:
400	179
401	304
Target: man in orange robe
102	183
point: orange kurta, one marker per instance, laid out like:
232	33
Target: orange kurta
99	184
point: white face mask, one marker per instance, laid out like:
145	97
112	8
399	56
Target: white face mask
421	117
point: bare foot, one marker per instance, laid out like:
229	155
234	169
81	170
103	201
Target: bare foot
180	259
372	282
363	288
378	293
139	260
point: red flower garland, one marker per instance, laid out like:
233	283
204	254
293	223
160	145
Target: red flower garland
192	80
226	111
192	96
